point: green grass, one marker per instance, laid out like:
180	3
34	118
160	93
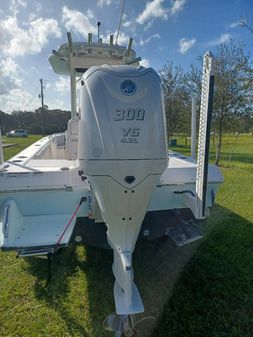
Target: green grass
19	144
214	295
210	295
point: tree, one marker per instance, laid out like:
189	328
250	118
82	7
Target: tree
233	88
176	98
7	122
244	23
56	121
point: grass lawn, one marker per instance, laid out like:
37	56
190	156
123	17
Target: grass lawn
19	144
210	295
214	295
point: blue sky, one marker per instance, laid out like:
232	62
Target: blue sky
163	30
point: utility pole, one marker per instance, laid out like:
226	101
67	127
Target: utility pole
42	107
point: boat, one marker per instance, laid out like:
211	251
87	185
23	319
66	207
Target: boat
109	179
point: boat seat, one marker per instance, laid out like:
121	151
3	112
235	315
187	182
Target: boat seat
61	142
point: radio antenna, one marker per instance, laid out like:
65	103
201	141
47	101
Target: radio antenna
120	20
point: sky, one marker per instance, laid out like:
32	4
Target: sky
163	31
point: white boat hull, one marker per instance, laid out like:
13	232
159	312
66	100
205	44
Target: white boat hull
41	203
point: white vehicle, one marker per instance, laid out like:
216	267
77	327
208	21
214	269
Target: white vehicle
17	133
104	179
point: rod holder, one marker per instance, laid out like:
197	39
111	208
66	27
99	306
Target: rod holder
70	42
130	42
90	38
98	26
111	40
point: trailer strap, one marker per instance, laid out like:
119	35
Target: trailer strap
69	223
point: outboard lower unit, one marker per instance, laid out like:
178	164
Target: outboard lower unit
123	152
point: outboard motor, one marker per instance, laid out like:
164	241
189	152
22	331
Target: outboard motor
123	151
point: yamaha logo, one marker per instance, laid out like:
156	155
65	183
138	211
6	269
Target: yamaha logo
128	87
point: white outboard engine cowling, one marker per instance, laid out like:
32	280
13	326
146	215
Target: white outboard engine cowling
123	151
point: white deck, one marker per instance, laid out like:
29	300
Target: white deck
52	173
29	170
182	170
37	230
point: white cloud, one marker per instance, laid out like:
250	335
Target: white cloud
153	9
17	41
148	25
33	16
15	4
62	85
148	39
177	5
144	63
38	6
6	84
90	14
185	45
78	21
122	38
47	85
101	3
9	67
127	24
9	75
221	39
41	28
58	104
235	24
18	99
